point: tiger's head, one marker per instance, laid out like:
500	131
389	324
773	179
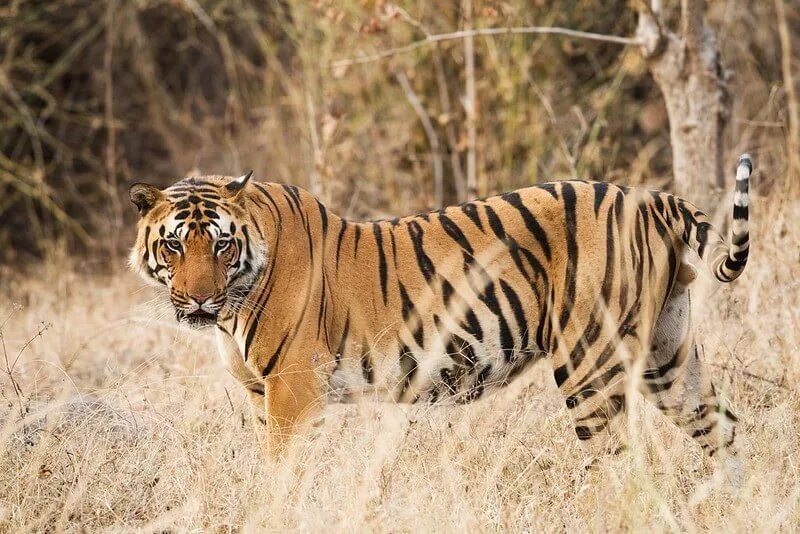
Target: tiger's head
197	239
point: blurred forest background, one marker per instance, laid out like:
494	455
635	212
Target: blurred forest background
97	95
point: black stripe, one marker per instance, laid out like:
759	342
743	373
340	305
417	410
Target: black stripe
394	247
453	230
742	186
462	352
471	211
489	298
530	221
323	213
343	341
600	190
519	312
146	256
740	212
659	203
250	334
574	400
409	315
473	326
294	195
551	188
673	207
514	249
570	220
740	256
656	373
590	334
561	374
702	237
735	265
382	267
274	359
704	431
408	368
322	306
405	301
423	260
357	239
339	241
367	369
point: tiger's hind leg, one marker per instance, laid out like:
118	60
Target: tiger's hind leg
595	392
678	383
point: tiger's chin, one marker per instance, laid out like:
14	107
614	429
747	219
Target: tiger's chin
198	320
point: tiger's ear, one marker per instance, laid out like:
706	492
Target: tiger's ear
234	186
145	196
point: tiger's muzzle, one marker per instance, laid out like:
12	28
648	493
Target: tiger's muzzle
199	311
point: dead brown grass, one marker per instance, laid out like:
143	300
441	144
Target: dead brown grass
125	422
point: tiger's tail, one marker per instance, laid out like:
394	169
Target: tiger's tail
725	261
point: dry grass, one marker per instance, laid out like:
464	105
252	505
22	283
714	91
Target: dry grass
123	421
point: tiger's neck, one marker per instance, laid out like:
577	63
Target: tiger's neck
299	300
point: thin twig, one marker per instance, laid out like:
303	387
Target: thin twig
485	32
430	132
469	101
313	178
10	373
43	327
750	375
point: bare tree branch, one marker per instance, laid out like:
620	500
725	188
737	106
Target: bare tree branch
649	29
485	32
452	141
470	102
692	22
430	132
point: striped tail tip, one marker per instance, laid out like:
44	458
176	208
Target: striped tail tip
746	161
734	264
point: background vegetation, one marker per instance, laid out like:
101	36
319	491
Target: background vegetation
112	418
96	95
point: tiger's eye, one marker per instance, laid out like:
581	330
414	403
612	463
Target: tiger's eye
222	245
174	245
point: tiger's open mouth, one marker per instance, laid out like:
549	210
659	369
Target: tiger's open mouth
197	319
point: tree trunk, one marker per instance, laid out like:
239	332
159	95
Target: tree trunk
688	70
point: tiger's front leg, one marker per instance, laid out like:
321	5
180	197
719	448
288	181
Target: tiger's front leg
281	402
260	423
294	395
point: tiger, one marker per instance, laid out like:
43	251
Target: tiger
447	306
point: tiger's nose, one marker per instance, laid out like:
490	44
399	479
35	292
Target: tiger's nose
200	298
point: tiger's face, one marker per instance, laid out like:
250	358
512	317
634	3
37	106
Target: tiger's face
194	238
